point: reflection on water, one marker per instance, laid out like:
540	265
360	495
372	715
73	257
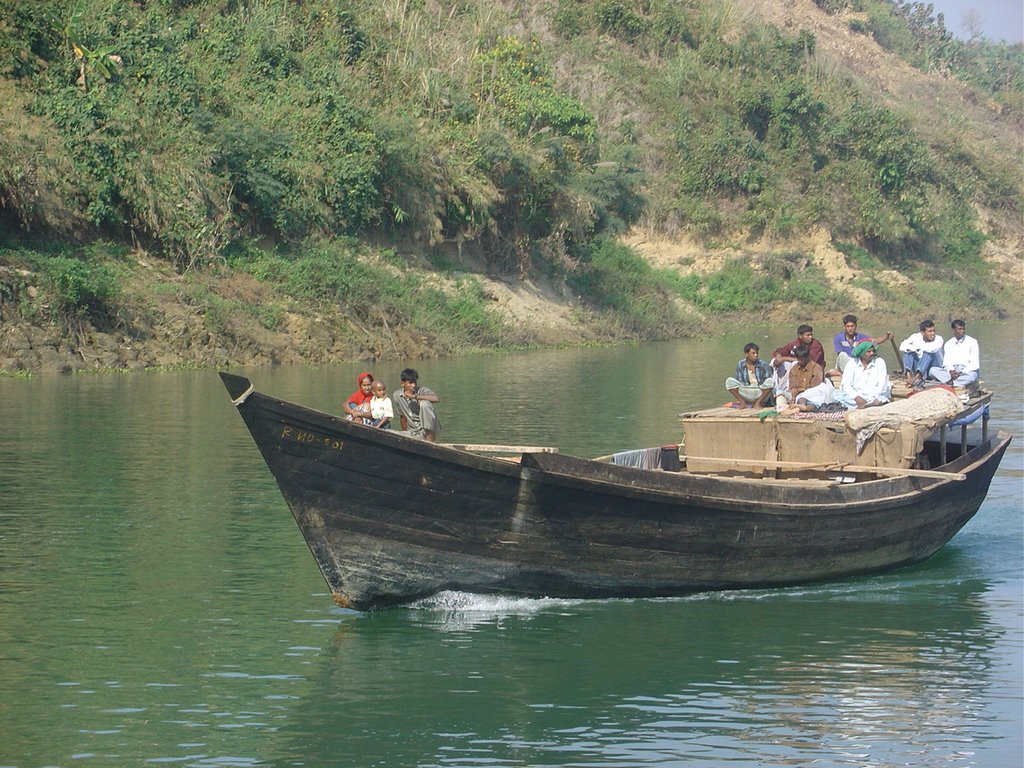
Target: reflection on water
159	605
829	675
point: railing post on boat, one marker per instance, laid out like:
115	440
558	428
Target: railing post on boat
963	439
942	445
984	425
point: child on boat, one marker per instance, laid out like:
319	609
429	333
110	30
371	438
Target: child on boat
381	408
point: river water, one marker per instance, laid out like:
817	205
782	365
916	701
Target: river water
158	604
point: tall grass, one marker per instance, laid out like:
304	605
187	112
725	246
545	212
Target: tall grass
535	129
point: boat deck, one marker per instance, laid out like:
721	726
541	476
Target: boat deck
752	441
974	398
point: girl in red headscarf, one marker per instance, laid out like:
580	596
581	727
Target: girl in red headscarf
357	406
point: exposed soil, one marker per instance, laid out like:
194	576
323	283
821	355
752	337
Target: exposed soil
163	325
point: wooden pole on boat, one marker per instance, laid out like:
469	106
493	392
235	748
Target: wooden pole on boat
901	471
486	448
827	466
899	357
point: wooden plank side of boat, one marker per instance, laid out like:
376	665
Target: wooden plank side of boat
389	518
754	541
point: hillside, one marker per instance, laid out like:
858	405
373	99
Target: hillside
206	183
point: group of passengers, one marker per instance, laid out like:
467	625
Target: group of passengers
414	405
796	378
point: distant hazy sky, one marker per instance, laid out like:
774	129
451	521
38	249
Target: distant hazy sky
1000	19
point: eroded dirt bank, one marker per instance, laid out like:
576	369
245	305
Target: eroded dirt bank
160	322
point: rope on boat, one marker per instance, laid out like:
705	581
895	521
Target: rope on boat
243	397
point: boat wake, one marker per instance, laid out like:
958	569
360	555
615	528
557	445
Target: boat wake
490	605
477	607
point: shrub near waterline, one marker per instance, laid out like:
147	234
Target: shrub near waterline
76	285
737	287
343	274
624	286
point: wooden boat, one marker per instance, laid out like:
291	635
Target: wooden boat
390	519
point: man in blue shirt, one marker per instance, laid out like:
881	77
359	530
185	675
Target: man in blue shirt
753	383
848	338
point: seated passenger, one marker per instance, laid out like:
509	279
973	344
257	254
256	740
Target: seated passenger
801	375
805	336
753	383
922	351
819	398
381	408
961	358
865	379
844	341
414	405
357	406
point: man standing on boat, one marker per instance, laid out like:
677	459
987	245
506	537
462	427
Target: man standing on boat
865	379
415	407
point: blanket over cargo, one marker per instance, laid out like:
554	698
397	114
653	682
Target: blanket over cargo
890	435
925	411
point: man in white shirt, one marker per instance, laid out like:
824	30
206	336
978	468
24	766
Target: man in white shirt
961	358
865	379
922	351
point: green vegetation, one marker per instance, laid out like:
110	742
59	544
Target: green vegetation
77	285
739	287
625	287
335	133
332	272
910	30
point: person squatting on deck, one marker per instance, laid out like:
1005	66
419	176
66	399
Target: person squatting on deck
921	351
865	379
961	358
753	383
415	407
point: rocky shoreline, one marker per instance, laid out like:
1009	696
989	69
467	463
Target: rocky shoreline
162	320
27	349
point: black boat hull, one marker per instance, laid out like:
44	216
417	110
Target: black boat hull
390	519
